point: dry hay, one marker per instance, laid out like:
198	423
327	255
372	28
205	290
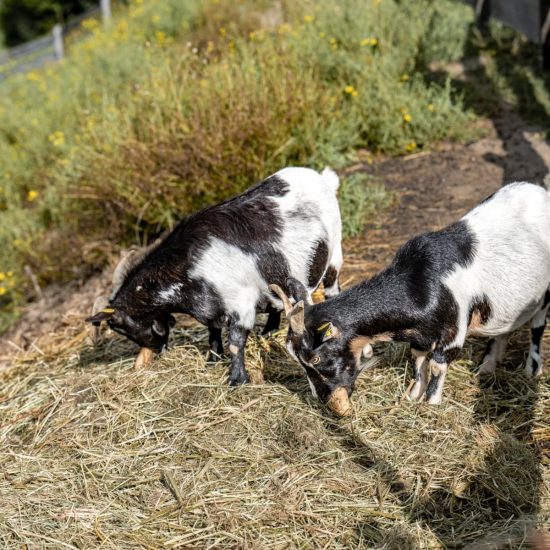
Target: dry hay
96	454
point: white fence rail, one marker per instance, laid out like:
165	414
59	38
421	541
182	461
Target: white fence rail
47	48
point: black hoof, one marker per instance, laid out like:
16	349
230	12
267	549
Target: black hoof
214	357
239	379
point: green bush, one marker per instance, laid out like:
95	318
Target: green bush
179	104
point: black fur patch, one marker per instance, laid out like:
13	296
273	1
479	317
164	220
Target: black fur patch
330	277
482	307
432	385
536	337
317	264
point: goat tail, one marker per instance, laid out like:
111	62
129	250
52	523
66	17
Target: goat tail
330	177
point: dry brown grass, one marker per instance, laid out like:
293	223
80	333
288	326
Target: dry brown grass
95	454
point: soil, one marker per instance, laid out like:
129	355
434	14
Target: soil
430	190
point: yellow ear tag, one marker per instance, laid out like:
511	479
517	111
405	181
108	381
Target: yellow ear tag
322	327
328	333
108	310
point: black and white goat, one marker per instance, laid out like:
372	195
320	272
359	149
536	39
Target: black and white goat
485	275
216	264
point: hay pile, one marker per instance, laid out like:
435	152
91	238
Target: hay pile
96	454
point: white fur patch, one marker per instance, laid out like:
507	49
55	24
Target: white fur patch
234	275
168	295
310	213
511	265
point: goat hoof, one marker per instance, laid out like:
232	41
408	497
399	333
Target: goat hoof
487	367
239	379
214	357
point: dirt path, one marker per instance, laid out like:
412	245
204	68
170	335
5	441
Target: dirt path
431	189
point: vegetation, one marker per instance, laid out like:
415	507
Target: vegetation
179	104
23	20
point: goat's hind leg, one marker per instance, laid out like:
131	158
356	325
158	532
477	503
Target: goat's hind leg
215	352
493	355
533	366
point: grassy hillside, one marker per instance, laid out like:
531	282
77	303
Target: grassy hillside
179	104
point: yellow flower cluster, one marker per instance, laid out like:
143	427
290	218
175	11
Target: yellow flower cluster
410	146
369	42
7	281
350	90
406	116
32	195
285	28
57	138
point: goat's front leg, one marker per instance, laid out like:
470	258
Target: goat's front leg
420	375
215	352
237	342
438	369
273	320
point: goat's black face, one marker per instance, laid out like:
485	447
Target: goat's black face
148	332
327	362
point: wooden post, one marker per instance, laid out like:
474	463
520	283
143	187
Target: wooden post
57	33
483	13
106	11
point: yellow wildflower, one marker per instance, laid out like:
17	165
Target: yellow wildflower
410	147
161	37
407	117
431	107
350	90
284	28
57	138
2	276
404	77
2	291
369	42
32	195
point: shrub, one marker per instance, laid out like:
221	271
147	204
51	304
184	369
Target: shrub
179	104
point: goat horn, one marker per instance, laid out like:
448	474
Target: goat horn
296	318
281	293
121	270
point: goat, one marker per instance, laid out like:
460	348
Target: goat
485	275
216	264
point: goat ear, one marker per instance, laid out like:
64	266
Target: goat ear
298	292
328	331
159	329
102	315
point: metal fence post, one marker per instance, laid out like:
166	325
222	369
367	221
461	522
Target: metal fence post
57	32
106	10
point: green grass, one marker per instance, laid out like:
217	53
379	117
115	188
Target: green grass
360	198
179	104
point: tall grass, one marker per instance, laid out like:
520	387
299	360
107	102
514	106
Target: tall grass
179	104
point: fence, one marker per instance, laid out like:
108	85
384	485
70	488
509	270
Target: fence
50	47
